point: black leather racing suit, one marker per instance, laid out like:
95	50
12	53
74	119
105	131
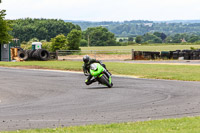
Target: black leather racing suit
86	70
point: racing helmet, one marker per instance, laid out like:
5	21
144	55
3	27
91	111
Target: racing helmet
86	58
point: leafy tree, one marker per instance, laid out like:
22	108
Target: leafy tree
4	28
169	39
99	36
130	39
47	45
83	43
157	40
59	42
120	40
73	39
138	39
194	38
177	38
160	35
34	40
163	36
151	38
43	29
148	38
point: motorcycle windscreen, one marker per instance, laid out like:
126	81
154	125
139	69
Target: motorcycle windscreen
98	71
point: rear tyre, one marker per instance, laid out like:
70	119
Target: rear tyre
104	80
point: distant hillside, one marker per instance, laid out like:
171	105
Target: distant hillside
180	21
140	27
85	24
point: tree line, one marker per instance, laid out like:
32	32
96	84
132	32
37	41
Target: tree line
62	35
159	37
141	27
43	29
66	35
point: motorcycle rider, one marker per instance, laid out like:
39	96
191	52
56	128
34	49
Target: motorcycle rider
86	69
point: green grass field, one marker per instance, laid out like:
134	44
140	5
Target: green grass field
181	125
149	47
155	71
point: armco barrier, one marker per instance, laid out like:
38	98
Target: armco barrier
178	54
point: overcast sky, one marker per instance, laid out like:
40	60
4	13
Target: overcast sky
103	10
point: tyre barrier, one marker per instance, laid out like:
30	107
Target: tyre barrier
22	54
178	54
165	54
151	55
39	54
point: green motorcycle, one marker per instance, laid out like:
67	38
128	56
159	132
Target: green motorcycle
101	75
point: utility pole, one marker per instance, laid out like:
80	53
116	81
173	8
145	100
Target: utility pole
88	40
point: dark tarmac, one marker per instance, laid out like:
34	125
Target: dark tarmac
47	99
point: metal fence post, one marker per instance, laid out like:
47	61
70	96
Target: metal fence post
133	54
56	54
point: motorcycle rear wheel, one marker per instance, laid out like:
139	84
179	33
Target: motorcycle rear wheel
104	80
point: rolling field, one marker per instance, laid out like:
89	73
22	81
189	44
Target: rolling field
150	47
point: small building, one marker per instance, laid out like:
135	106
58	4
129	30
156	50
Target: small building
5	49
5	52
36	45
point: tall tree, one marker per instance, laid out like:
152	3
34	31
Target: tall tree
138	39
194	38
160	35
73	39
4	28
99	36
130	39
59	42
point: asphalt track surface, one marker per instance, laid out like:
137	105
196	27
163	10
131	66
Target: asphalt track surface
41	99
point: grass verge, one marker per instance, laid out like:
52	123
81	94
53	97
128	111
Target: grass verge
181	125
155	71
